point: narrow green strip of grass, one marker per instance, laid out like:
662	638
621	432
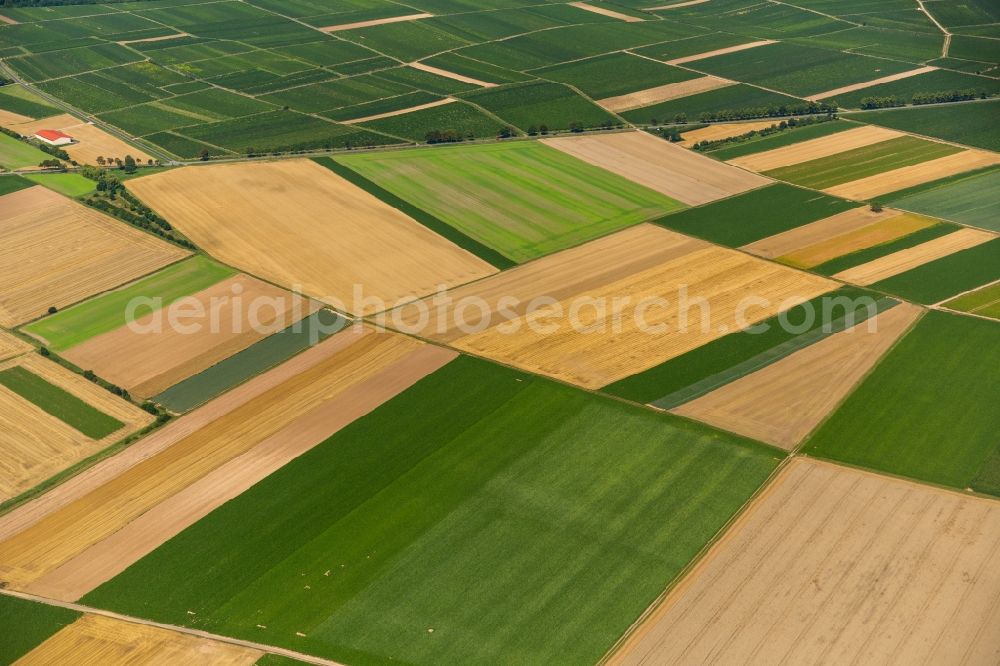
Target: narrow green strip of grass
843	262
67	184
436	225
59	403
109	311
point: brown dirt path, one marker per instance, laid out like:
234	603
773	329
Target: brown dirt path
368	24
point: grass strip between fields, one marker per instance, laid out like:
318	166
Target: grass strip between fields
259	357
108	311
436	225
772	355
721	355
24	625
59	403
852	259
469	505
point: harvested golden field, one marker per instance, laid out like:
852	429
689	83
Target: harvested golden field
150	356
917	174
399	112
70	529
368	24
12	346
668	91
312	231
641	264
718	52
55	252
96	640
109	557
820	231
92	141
824	146
783	402
835	565
882	231
659	165
35	445
867	84
9	118
724	131
450	75
605	12
904	260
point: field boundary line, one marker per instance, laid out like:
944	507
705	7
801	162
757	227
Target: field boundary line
81	608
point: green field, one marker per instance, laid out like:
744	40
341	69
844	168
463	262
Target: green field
928	410
526	105
786	138
68	184
737	101
385	105
458	119
18	100
255	359
514	517
862	162
929	82
25	625
614	74
59	403
757	214
12	183
972	199
948	276
547	201
971	123
16	154
727	358
107	312
984	302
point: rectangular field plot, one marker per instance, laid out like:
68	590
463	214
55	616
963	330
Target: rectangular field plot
572	342
67	542
984	302
55	252
523	199
973	199
969	267
791	136
905	177
614	74
731	102
660	165
312	230
759	214
53	418
769	158
152	353
898	418
839	564
534	104
514	474
969	123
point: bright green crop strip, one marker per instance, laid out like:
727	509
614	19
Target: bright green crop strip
520	519
107	312
67	184
984	302
59	403
25	625
522	199
862	162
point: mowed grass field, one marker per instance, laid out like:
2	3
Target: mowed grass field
495	520
108	311
860	163
928	410
522	199
16	154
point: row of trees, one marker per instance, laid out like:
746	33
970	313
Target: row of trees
890	101
772	111
776	128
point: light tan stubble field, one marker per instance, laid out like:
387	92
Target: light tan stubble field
813	149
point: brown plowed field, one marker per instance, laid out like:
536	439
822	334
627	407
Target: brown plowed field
95	640
236	313
312	231
904	260
35	445
836	565
640	264
668	91
814	149
368	24
660	165
66	532
785	401
55	252
917	174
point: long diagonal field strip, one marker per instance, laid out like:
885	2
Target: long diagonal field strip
523	199
916	174
55	251
660	165
785	401
973	199
814	149
311	230
12	346
872	160
832	563
39	549
641	264
52	418
398	515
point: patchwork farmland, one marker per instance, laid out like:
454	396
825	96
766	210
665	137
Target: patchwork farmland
355	332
